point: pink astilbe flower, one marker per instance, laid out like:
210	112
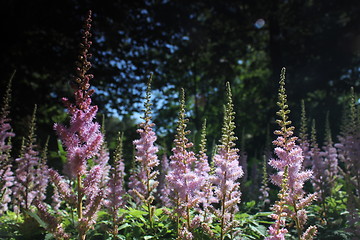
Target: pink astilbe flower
325	165
115	191
330	156
102	159
290	157
91	188
206	191
348	146
349	153
277	231
144	178
243	160
163	189
182	178
318	166
83	140
185	234
62	187
227	171
303	140
43	178
30	181
6	174
264	188
54	225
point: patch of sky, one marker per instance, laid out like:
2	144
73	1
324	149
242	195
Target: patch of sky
144	11
185	38
215	89
100	39
260	23
192	16
122	64
53	95
172	48
351	76
155	62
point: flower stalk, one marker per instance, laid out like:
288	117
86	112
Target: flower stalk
290	158
227	171
143	181
6	174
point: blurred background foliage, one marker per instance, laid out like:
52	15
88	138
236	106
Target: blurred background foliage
196	45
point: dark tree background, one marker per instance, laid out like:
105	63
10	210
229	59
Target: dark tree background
197	45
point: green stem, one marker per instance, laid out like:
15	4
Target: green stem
148	203
297	222
222	233
188	213
177	215
82	235
222	218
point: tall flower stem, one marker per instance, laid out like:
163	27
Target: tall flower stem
80	205
297	223
143	181
222	219
227	171
115	192
183	178
6	174
83	141
290	159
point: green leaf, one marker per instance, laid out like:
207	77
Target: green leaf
337	187
243	216
49	236
266	222
250	204
137	213
158	212
259	229
262	214
37	218
123	226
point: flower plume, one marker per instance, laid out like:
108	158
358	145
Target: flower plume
290	159
6	174
115	191
83	141
143	179
227	170
30	180
182	177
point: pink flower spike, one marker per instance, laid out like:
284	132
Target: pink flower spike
291	176
227	171
6	174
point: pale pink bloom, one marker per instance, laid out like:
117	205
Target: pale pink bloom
227	172
290	157
163	189
31	175
6	174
